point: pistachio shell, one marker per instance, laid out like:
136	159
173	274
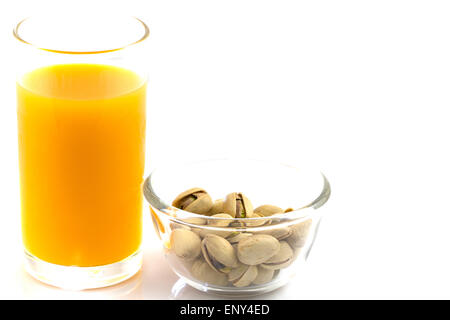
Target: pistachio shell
257	249
267	210
203	272
187	264
299	234
238	236
277	218
282	259
185	243
237	224
202	233
192	221
195	220
195	200
256	222
217	223
264	276
224	220
217	207
237	205
279	233
237	272
247	277
219	253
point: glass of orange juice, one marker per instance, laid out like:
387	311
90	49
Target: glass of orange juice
81	109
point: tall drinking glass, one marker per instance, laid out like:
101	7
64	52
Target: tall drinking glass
81	109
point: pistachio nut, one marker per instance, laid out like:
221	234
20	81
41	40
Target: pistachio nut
257	222
299	233
264	276
202	271
237	224
194	220
257	249
238	236
194	200
217	207
218	253
243	276
267	210
191	224
277	218
279	233
282	259
223	220
185	243
191	221
237	272
238	206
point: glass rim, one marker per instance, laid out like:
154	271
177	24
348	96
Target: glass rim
16	34
287	218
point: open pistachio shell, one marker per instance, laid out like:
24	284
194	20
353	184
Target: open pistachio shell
185	243
264	276
238	206
282	259
218	253
247	277
299	234
237	224
237	272
195	200
267	210
202	271
257	249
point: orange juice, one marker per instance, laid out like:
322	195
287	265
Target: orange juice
81	155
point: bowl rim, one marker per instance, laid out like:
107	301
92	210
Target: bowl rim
181	216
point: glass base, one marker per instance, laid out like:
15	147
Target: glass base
80	278
236	292
233	292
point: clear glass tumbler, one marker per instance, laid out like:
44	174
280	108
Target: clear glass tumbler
81	109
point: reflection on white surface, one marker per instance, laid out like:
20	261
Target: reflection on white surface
154	281
182	291
129	289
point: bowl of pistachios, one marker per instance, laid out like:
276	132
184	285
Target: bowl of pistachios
236	227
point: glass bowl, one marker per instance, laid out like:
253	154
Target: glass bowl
238	256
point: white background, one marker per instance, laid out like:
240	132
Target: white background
359	87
